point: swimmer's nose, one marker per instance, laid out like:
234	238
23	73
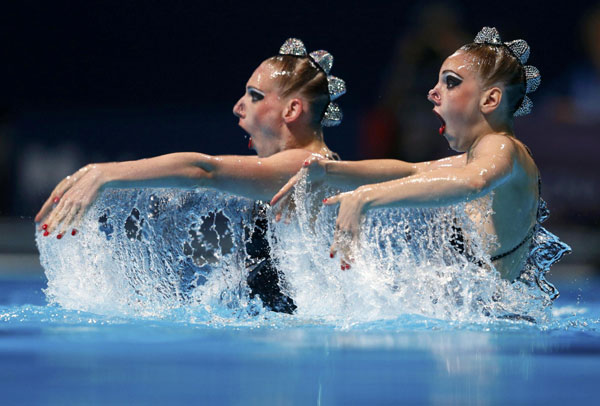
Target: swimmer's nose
238	109
434	96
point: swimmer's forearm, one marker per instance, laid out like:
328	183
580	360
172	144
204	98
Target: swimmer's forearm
182	169
425	190
356	173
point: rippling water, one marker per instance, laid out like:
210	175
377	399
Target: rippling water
182	256
149	304
52	355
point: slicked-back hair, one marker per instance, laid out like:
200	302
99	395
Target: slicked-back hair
301	75
497	64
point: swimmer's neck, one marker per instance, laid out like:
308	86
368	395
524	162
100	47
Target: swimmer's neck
303	137
487	127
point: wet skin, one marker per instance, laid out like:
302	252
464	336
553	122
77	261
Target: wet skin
280	135
474	122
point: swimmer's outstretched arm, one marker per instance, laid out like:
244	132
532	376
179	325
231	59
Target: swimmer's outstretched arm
248	176
491	165
357	173
352	174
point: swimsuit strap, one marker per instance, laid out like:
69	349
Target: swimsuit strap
527	237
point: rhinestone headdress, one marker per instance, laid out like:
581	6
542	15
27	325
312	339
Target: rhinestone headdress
323	61
520	49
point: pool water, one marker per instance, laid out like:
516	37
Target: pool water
50	355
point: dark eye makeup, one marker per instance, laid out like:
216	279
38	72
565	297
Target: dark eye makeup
255	94
452	81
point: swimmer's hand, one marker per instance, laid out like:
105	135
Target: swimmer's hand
70	199
353	205
283	201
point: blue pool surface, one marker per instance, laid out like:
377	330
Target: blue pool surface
49	356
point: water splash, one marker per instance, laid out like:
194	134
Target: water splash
182	255
410	261
148	252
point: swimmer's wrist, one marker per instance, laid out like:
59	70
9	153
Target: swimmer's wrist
365	198
110	173
326	166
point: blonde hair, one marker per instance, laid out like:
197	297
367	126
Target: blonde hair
497	64
301	75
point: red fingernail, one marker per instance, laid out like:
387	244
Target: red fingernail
59	236
45	226
46	233
331	255
343	268
347	266
56	199
325	200
73	232
305	163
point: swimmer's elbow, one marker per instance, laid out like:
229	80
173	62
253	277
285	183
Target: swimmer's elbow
201	176
195	170
478	186
204	166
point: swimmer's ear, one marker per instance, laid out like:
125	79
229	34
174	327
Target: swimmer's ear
293	110
490	99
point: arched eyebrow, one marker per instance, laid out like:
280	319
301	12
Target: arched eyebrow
445	72
254	89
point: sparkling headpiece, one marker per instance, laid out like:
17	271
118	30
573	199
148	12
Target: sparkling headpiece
520	49
324	62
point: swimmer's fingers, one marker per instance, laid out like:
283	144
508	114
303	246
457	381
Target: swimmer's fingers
73	201
76	223
289	210
330	201
63	215
333	250
45	210
281	208
285	191
73	212
342	245
75	208
347	250
316	170
315	166
347	224
58	192
52	200
56	216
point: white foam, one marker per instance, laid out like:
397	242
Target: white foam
157	252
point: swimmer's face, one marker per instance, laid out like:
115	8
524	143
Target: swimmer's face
260	111
456	99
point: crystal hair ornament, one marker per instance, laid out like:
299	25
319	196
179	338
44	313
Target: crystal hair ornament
324	61
521	51
336	86
333	115
293	46
520	48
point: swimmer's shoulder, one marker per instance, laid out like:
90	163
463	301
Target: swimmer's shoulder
495	143
504	142
522	155
288	162
510	150
497	147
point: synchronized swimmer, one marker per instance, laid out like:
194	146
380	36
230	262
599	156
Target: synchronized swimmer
290	97
480	89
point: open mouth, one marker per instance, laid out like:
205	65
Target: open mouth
442	123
